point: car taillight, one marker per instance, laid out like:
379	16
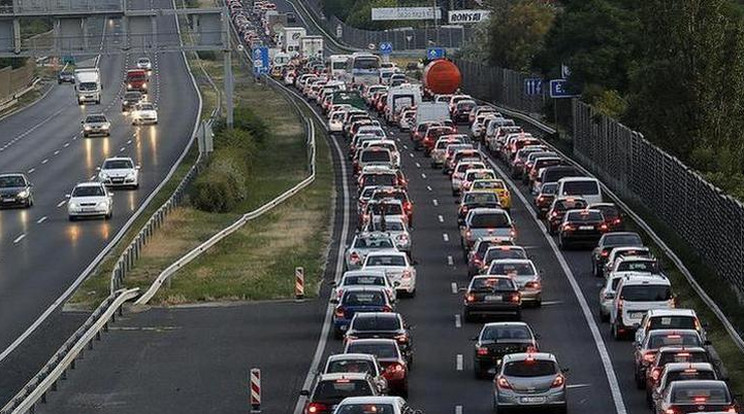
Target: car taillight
603	227
408	206
354	257
513	232
617	221
339	312
470	297
387	309
482	351
516	297
655	374
620	304
568	227
605	253
316	407
468	234
672	303
464	209
540	199
401	338
553	213
532	285
670	411
502	383
558	382
395	367
649	356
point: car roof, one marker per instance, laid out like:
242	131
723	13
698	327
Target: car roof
382	315
517	261
671	312
638	278
343	375
387	253
117	158
521	356
692	383
679	366
362	272
491	277
372	341
505	324
373	400
340	357
365	288
571	179
486	210
677	348
89	184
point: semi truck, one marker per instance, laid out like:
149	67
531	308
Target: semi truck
311	47
291	40
88	85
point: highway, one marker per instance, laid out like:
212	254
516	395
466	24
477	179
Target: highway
42	253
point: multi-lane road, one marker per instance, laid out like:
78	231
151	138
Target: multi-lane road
42	254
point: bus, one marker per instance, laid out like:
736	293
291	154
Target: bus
336	66
363	69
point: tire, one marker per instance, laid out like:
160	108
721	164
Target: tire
639	382
563	409
109	215
538	303
468	317
478	371
594	268
412	294
404	390
604	317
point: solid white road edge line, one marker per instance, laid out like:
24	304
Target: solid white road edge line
604	355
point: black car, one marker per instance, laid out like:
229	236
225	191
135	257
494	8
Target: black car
497	339
492	296
609	241
15	190
558	209
544	198
476	199
386	325
130	100
65	77
581	227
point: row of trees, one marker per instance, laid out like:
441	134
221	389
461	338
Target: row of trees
673	69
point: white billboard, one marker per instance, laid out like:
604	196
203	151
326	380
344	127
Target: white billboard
405	13
468	16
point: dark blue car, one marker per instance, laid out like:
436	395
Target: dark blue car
358	299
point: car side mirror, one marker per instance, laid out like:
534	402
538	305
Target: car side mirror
98	168
305	393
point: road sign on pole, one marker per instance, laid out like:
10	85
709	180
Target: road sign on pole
560	89
435	53
261	60
386	48
533	86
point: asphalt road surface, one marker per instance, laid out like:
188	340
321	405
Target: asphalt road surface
41	252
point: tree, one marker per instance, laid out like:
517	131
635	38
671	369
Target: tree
517	31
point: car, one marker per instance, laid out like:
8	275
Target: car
449	152
388	325
119	172
558	209
433	133
645	352
352	278
16	190
331	389
607	242
388	353
530	380
496	186
500	252
696	396
679	371
475	174
476	199
607	295
397	267
363	244
637	264
90	199
65	76
498	339
613	216
617	254
485	222
636	294
145	113
365	363
492	296
388	207
524	273
438	153
475	258
395	227
381	176
584	187
544	199
670	355
373	405
676	318
399	194
130	100
462	109
144	63
458	174
96	124
358	299
581	227
461	161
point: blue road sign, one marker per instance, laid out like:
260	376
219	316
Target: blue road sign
533	86
261	60
68	60
559	88
386	48
435	53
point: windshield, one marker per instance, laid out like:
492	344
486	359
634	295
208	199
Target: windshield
366	408
95	118
682	356
495	333
489	220
444	144
117	165
388	209
672	322
136	76
479	175
389	226
492	283
480	198
488	185
366	63
530	368
649	266
132	96
689	374
350	365
393	260
144	61
376	323
585	216
380	350
12	181
364	281
339	65
548	188
499	253
511	269
375	156
657	340
379	179
622	240
646	293
692	392
588	187
340	389
87	191
364	298
87	86
609	212
373	243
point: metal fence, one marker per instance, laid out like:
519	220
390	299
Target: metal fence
636	169
500	85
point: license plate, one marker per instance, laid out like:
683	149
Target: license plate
636	314
532	400
8	200
586	227
493	298
87	209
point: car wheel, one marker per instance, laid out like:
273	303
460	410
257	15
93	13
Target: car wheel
468	317
563	409
594	269
404	390
639	380
478	371
337	334
109	215
538	303
412	294
604	317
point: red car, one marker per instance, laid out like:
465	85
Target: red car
390	357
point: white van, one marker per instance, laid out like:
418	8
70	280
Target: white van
584	187
636	294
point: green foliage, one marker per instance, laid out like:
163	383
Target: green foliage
517	31
358	13
607	102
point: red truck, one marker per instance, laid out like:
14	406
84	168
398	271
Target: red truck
136	80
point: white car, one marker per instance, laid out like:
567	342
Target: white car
397	267
145	113
144	63
354	278
394	226
96	124
119	172
392	405
90	200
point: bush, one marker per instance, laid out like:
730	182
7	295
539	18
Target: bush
214	192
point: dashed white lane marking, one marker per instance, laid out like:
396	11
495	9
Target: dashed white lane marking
30	171
405	146
41	220
552	302
578	385
459	362
458	409
435	202
91	178
56	152
428	187
441	219
411	154
121	149
445	237
45	160
454	287
458	321
423	175
450	261
67	144
418	165
61	203
129	142
19	238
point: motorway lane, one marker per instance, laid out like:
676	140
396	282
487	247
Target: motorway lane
41	251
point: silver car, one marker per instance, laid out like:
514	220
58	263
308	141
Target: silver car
96	124
396	228
524	273
529	380
365	243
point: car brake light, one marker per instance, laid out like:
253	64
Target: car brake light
502	383
387	309
605	253
568	227
553	213
470	297
558	382
468	234
401	338
482	351
513	232
670	411
315	407
603	227
406	274
532	285
655	374
616	221
516	297
339	312
355	258
649	356
395	367
700	399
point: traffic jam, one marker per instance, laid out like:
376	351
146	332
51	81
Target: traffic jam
376	112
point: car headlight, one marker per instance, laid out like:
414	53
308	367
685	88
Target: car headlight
23	194
130	176
102	204
73	205
105	126
103	175
87	128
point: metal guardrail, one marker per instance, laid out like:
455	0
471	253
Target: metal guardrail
56	368
132	252
671	255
